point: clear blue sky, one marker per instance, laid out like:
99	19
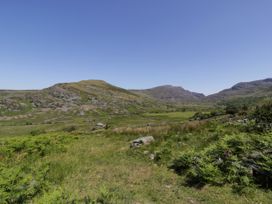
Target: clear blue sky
202	45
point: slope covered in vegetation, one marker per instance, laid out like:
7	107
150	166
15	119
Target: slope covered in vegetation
70	143
215	159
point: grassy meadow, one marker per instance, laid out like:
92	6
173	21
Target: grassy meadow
66	160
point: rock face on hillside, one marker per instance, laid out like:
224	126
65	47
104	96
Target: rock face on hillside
259	88
173	94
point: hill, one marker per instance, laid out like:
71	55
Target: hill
174	94
100	96
88	95
253	89
62	144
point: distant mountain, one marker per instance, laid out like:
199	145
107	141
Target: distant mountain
99	96
170	93
88	95
259	88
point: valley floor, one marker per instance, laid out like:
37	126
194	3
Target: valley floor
97	166
85	167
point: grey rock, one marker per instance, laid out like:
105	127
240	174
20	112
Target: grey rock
100	125
142	141
146	152
152	156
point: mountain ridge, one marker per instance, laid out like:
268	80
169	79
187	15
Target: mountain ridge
256	88
99	95
90	95
170	93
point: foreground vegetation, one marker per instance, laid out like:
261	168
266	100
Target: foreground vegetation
196	158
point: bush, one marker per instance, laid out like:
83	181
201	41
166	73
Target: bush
56	196
203	116
241	160
200	116
18	184
263	117
20	179
163	156
37	132
231	109
69	129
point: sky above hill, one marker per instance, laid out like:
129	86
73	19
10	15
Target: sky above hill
204	46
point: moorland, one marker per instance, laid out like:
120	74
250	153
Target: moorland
70	143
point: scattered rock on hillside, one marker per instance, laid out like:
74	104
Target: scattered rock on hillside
142	141
101	125
152	156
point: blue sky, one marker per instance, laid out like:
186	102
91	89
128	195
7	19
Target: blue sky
203	46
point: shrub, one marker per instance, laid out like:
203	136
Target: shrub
69	129
57	196
184	162
37	132
20	179
107	196
231	109
242	160
163	156
200	116
203	116
263	117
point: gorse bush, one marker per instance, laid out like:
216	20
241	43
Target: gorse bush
241	160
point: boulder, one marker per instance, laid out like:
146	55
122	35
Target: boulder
101	125
152	156
142	141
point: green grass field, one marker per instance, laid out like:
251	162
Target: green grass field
172	115
99	167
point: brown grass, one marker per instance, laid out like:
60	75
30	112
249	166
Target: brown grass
161	129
